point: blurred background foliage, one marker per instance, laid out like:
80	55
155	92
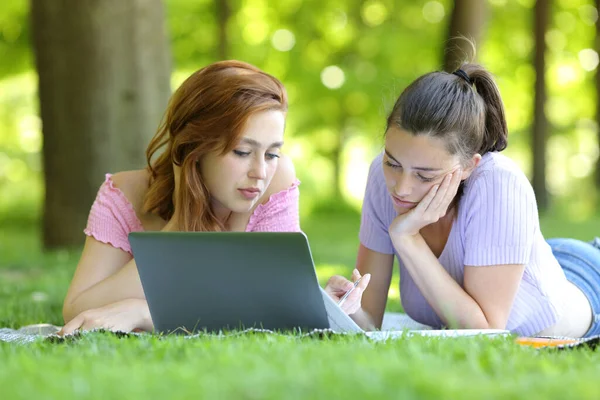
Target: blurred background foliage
343	63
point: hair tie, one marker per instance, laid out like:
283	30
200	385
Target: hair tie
463	74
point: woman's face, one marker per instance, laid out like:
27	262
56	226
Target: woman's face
412	165
238	179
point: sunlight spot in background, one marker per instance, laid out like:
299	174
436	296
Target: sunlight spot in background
588	14
433	12
394	293
558	154
374	13
283	40
580	165
333	77
571	157
588	58
30	138
585	151
336	31
295	150
586	136
498	3
555	40
339	20
255	32
566	75
565	21
356	162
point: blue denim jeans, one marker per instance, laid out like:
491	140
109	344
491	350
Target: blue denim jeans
581	263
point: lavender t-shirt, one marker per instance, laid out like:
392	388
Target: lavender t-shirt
497	223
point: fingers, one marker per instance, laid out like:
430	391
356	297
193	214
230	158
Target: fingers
453	184
90	324
426	201
441	195
72	325
364	282
457	179
445	194
123	316
353	301
337	285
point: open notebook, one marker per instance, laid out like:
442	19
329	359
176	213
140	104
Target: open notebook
340	322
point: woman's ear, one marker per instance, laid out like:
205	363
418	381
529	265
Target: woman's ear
472	164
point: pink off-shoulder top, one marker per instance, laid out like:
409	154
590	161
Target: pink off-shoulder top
112	217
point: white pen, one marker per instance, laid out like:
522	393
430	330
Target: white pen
345	296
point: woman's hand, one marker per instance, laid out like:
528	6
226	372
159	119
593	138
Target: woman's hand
125	316
429	210
337	286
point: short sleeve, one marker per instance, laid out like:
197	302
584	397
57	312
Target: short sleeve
112	217
279	214
501	219
376	212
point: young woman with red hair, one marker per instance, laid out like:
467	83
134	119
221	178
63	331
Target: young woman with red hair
221	170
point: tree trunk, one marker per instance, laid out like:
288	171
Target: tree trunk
540	122
223	13
104	71
467	20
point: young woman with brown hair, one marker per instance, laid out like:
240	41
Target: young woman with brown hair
461	218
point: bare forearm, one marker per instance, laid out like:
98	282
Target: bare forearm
124	284
454	306
364	320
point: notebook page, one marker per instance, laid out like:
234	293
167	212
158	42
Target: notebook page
339	321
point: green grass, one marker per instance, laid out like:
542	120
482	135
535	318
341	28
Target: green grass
103	366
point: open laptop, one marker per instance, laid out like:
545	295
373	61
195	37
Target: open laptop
221	281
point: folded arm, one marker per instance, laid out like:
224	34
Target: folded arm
104	275
487	297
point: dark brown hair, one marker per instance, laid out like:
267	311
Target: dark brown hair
206	114
465	111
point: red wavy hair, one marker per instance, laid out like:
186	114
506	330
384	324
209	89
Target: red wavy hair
206	114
